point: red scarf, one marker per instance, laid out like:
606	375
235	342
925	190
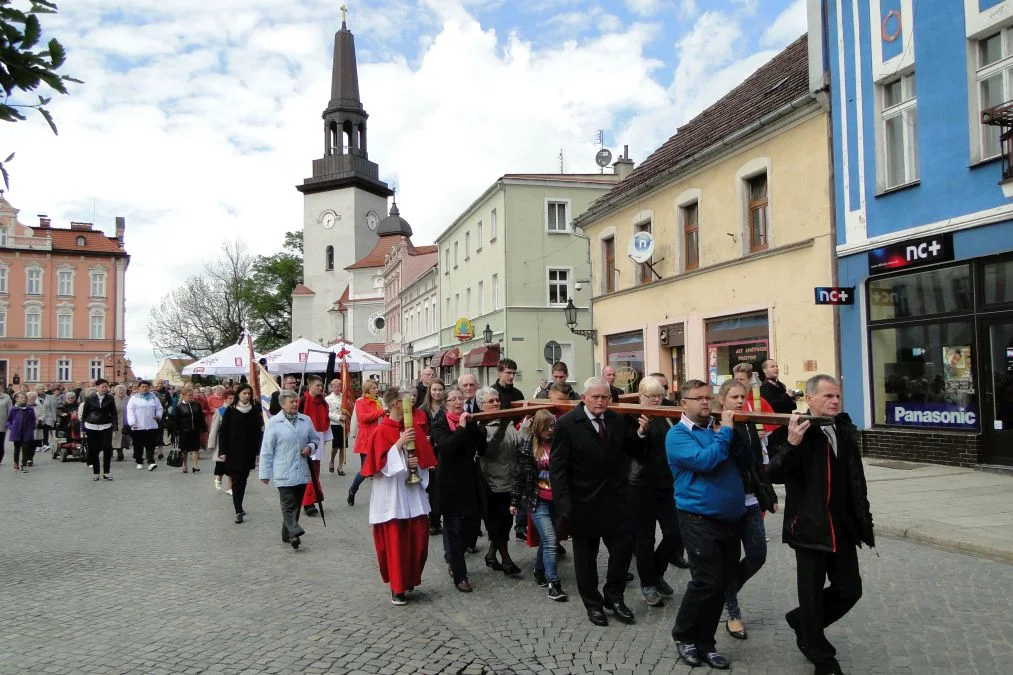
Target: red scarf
387	434
453	420
315	407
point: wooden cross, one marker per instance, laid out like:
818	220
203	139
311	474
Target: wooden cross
525	408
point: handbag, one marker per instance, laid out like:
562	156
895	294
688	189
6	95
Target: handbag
174	458
764	492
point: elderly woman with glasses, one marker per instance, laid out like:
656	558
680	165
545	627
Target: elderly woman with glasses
498	465
289	439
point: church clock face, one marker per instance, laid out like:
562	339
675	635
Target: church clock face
328	219
372	220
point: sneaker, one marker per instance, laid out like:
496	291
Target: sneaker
106	477
540	579
556	592
651	596
218	483
140	466
228	492
152	466
398	598
664	589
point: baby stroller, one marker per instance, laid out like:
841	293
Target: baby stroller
70	443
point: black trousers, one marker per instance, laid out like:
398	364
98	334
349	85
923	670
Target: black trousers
713	550
456	534
433	491
497	516
585	567
818	606
24	451
144	445
291	504
100	441
653	506
3	444
239	481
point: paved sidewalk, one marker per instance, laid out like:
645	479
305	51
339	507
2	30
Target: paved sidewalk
959	508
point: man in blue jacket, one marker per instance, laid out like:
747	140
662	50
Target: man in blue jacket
711	501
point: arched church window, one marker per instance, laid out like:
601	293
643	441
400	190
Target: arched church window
329	262
348	134
333	139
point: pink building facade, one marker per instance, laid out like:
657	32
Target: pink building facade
62	302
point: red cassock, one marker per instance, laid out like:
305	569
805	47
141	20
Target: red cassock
402	544
317	410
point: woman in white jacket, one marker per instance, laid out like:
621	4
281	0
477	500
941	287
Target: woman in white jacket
338	420
144	411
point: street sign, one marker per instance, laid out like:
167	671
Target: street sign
911	253
641	247
553	352
603	158
835	295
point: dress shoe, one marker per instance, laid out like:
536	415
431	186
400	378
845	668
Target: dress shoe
492	563
295	542
597	616
664	589
651	596
560	551
736	629
680	562
521	534
239	518
629	577
715	660
311	511
351	499
622	612
688	653
464	586
828	668
285	539
793	620
510	569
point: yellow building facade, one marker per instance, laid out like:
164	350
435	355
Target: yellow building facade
742	233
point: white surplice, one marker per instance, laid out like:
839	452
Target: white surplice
391	499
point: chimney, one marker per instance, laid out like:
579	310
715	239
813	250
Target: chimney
121	228
44	221
623	166
80	226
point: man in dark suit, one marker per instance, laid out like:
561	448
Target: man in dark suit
589	465
773	390
291	382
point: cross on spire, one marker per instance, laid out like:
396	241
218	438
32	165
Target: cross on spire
344	12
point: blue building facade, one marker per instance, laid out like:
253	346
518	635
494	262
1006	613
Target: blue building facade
924	225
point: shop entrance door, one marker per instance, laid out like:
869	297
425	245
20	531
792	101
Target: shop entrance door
997	387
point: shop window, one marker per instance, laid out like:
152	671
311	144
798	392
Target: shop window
923	376
939	291
736	339
999	283
626	350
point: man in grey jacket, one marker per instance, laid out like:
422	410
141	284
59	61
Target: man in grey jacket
5	408
48	403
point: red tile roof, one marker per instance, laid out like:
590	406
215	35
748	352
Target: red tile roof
782	80
66	240
383	248
375	348
341	303
302	289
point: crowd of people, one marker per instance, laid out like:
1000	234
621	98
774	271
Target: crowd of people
579	471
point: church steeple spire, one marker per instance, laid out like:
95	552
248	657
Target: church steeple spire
345	160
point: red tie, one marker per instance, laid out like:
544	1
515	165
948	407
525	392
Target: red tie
601	428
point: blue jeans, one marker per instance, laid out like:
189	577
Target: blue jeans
754	544
357	481
545	559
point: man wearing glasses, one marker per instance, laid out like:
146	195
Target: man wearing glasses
710	500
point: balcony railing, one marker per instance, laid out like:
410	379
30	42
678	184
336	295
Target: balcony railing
27	243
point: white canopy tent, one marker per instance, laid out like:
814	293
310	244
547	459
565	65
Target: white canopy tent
233	360
304	355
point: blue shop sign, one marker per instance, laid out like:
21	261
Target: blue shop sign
933	415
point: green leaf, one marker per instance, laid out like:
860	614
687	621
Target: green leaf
9	157
32	32
7	178
68	78
49	119
57	54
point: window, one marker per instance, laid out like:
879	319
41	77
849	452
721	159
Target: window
558	286
98	284
467	302
899	132
758	212
64	326
63	370
432	326
447	319
446	263
31	370
65	283
994	75
455	255
555	216
492	225
33	323
645	274
457	306
478	237
3	236
34	285
3	323
3	279
608	272
97	327
329	259
495	291
940	291
481	298
691	236
467	245
95	369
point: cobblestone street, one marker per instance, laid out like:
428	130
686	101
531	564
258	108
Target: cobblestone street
148	574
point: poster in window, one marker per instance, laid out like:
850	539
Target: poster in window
957	369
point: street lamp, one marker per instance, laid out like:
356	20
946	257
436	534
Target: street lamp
570	312
409	349
487	334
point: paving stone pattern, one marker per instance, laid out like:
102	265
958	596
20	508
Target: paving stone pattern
148	574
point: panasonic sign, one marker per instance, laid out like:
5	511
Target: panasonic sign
936	415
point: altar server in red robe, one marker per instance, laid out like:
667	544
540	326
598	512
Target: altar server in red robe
314	406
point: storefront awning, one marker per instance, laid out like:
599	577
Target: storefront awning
446	358
483	357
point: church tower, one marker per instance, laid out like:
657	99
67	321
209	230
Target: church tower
343	203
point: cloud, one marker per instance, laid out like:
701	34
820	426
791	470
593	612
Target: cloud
788	26
197	120
688	9
644	7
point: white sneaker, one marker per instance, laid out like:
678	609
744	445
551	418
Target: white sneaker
152	466
228	492
218	484
140	466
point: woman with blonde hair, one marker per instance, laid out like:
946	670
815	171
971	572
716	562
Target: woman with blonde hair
533	488
368	411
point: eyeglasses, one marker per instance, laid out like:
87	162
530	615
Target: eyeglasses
696	398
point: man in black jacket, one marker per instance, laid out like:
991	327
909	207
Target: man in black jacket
826	517
99	417
608	373
504	384
422	388
589	466
560	374
773	390
291	382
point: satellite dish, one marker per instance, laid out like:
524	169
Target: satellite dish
603	158
553	352
641	247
